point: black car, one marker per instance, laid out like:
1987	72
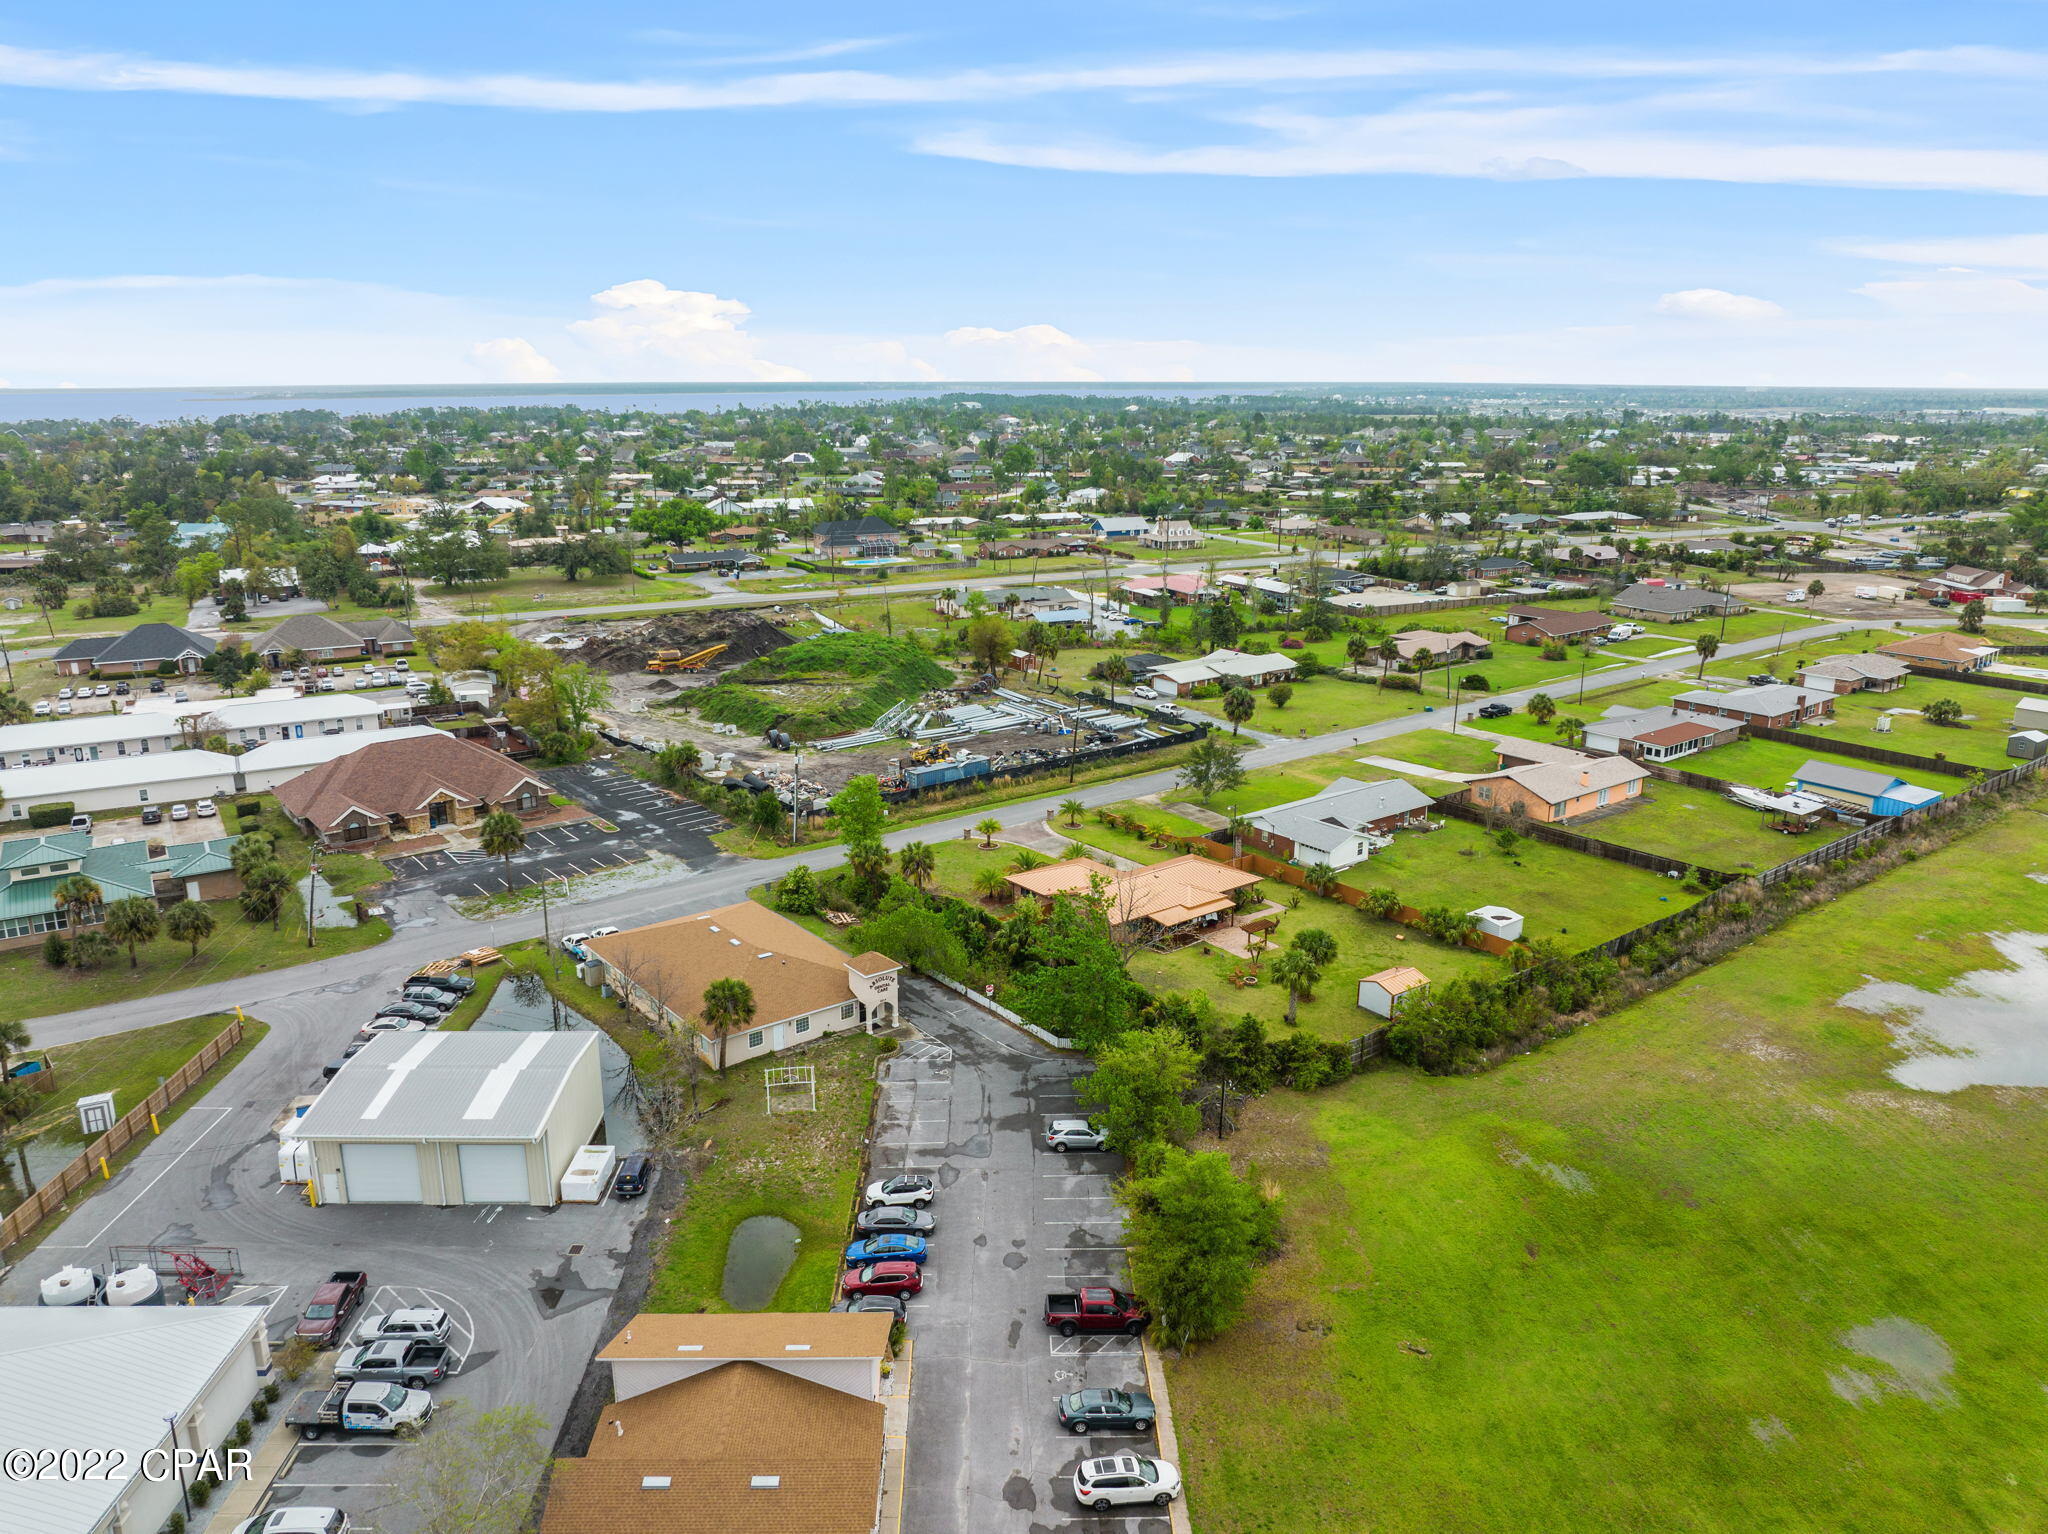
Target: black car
886	1304
630	1181
1763	679
152	816
157	685
430	996
332	1067
1495	710
894	1217
455	985
412	1011
1090	1411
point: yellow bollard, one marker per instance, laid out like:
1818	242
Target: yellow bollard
312	1195
104	1173
154	1126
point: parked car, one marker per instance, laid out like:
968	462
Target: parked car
907	1189
65	692
156	684
297	1520
460	985
204	808
410	1011
64	707
407	1361
1125	1480
1495	710
333	1067
431	996
377	1025
42	707
181	696
891	1218
401	665
420	1324
365	1408
152	816
883	1278
102	690
81	821
325	1317
1091	1411
1065	1135
287	675
886	1304
890	1248
121	689
1095	1309
181	812
630	1181
359	683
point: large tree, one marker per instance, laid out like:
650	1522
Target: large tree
1213	766
474	1474
502	835
132	921
1137	1093
1196	1233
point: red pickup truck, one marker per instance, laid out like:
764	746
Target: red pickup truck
1096	1310
325	1321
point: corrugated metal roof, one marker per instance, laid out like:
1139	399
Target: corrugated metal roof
448	1086
69	1379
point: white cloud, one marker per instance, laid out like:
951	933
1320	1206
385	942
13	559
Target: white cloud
2010	252
701	333
1718	304
1030	352
55	70
514	359
1514	143
1959	291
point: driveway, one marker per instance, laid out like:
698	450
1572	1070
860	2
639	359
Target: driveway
528	1287
967	1105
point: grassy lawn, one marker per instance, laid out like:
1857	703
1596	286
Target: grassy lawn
537	587
28	626
804	1167
1702	827
1323	704
1981	743
1441	749
131	1066
1286	781
1649	1246
350	873
1769	764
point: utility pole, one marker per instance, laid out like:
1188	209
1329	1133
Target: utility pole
796	800
312	872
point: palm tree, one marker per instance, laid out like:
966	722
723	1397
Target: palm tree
1389	651
1541	708
133	921
992	884
1706	645
1320	878
1072	809
1293	970
502	835
90	950
1317	945
189	922
1028	859
1571	731
1114	670
251	848
988	828
1238	706
264	886
14	709
728	1007
918	862
1358	649
13	1038
79	896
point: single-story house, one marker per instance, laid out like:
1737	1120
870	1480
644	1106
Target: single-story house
1341	824
1673	604
1383	994
1781	706
1141	664
1167	534
1158	590
407	787
133	1383
742	534
1045	546
1596	556
1541	625
696	561
1966	580
141	650
1428	647
323	639
803	987
1943	652
858	537
1228	667
766	1424
1498	567
1854	673
1119	527
1867	790
491	1116
1658	734
165	872
1181	895
1561	785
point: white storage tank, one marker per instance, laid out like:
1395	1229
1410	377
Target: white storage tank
1498	921
138	1285
590	1174
71	1285
294	1161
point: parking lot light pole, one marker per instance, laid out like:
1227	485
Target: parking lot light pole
183	1495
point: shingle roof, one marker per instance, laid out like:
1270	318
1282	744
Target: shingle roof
69	1379
751	1334
1551	620
740	1449
1169	893
1664	599
151	642
790	971
1555	782
489	1085
1959	649
392	777
1345	805
1874	666
317	631
1778	698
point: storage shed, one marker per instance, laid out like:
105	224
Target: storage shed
455	1118
2027	745
1498	921
1381	994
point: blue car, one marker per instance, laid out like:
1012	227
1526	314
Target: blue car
886	1248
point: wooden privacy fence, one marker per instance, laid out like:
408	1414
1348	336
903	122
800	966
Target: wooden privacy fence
51	1195
1680	775
1863	753
1980	678
1557	836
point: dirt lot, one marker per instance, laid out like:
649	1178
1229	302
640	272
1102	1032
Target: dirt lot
1840	599
626	645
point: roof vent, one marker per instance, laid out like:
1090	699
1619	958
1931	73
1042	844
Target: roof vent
689	1347
734	941
716	928
796	1347
764	955
765	1482
654	1483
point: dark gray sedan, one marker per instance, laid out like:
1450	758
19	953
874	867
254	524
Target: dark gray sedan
894	1217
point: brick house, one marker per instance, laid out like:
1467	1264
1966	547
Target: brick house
399	788
323	639
138	652
1943	652
1544	625
1779	707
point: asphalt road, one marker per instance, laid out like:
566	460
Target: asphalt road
967	1106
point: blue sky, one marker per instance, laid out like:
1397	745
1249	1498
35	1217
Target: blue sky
1770	194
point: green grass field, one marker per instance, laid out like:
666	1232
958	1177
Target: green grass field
1770	764
1323	704
1981	743
1702	827
1621	1284
539	589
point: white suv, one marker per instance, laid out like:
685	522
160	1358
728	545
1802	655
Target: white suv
1124	1479
298	1520
916	1191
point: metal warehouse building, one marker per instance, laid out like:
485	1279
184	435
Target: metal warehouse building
456	1118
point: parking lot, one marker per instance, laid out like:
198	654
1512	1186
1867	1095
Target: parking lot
528	1287
967	1106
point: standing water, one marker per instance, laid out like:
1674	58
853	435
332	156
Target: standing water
756	1258
1989	1028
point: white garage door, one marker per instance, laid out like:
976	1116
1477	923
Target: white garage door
381	1174
494	1174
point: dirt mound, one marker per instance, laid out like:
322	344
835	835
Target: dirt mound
745	636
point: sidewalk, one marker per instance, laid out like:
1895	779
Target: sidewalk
895	1440
244	1499
1169	1436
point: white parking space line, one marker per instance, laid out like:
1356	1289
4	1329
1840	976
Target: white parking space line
94	1238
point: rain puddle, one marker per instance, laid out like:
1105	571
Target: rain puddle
1989	1028
760	1252
1918	1360
1571	1179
